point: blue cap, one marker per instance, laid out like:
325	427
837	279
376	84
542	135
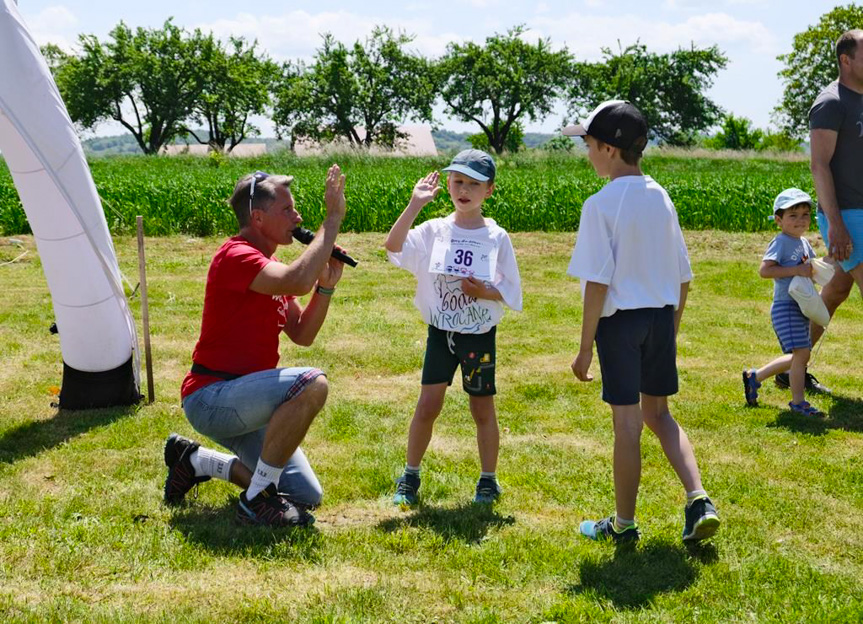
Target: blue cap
791	197
473	163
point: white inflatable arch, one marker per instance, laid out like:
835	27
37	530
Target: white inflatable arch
38	141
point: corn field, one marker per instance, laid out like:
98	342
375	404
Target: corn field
187	195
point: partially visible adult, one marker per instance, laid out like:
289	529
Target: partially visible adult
836	140
234	392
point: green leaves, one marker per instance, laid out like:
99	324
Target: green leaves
153	80
668	88
375	85
505	81
811	66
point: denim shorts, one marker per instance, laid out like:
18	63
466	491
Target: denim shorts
236	413
853	220
790	325
637	353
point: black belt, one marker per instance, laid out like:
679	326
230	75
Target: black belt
198	369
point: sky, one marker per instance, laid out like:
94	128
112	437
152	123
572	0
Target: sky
752	33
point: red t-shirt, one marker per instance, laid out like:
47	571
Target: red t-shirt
240	328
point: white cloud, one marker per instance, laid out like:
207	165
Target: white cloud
56	24
586	34
297	34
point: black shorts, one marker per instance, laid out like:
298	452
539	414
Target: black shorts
445	350
637	353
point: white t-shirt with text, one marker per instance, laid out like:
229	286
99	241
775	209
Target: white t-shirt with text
629	239
439	297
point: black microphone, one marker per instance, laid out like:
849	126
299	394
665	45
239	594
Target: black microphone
306	236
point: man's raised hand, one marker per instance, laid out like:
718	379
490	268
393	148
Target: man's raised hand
334	195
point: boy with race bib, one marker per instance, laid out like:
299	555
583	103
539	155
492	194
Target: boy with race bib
466	272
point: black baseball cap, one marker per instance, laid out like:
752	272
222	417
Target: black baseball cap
615	122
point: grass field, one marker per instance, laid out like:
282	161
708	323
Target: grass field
84	535
536	191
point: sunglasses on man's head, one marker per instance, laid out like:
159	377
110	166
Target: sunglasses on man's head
258	176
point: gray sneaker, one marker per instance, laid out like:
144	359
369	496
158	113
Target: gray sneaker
603	531
407	490
702	520
488	490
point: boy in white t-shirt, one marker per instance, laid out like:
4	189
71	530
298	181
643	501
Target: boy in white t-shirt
634	270
466	271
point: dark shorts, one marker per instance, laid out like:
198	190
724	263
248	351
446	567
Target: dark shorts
790	325
445	350
637	353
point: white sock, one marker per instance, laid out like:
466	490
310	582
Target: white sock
488	475
210	463
695	494
263	476
412	470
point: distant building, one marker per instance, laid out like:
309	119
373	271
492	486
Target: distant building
419	142
241	150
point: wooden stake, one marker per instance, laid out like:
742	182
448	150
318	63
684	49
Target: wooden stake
145	311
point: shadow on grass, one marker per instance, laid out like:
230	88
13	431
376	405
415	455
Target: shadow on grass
844	413
467	522
635	574
215	529
31	438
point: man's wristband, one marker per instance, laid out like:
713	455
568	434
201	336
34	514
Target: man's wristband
325	291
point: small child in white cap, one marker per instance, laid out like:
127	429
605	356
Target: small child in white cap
787	255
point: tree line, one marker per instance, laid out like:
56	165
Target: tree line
167	82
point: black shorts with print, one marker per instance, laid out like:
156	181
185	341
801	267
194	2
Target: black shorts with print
445	350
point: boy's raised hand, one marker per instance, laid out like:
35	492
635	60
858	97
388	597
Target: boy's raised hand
426	189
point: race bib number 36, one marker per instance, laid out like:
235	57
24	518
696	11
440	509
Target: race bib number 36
464	257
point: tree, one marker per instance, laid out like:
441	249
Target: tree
236	84
669	89
55	57
503	82
736	133
149	81
811	65
513	143
375	85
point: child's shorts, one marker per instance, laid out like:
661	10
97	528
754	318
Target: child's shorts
637	353
445	350
791	327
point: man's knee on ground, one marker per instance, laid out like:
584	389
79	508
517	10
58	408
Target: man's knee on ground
312	496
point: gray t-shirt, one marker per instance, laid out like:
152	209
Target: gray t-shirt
787	251
840	109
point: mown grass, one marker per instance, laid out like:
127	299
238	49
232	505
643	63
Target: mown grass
535	191
84	536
